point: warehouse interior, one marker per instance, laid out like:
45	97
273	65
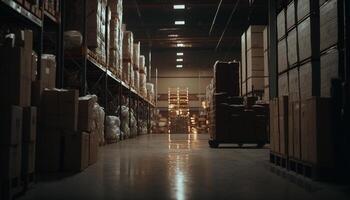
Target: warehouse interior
174	99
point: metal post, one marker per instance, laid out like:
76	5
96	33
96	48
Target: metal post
273	49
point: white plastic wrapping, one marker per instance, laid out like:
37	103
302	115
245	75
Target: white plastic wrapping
128	46
137	80
143	89
112	128
136	56
132	78
142	63
150	91
98	116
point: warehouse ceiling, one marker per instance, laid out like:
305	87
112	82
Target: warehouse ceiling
153	22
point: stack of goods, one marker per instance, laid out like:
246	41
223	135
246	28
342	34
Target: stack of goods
162	125
128	51
143	76
143	127
202	122
266	96
18	118
150	91
72	40
308	61
90	117
178	110
61	146
125	117
97	23
52	6
112	129
115	37
133	124
33	6
99	121
252	69
136	65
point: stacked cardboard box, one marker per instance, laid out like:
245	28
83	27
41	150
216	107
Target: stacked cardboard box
266	96
17	71
136	66
226	77
115	36
253	75
128	45
143	77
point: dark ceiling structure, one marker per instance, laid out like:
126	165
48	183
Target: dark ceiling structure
209	24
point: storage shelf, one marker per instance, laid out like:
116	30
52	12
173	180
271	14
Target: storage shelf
22	11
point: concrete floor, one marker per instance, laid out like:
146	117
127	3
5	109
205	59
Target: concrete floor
181	167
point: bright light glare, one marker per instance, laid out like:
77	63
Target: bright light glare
173	35
180	45
180	54
179	60
179	66
179	22
179	7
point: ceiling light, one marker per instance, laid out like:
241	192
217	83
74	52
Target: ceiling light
180	54
179	7
180	45
179	60
173	35
179	66
181	22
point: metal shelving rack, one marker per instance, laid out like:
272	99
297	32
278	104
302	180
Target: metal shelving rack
178	109
87	74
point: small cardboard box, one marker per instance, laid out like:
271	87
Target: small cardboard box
29	124
85	118
283	124
76	152
48	71
11	126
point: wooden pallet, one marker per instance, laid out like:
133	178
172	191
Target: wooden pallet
278	159
310	170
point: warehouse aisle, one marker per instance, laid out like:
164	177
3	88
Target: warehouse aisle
178	167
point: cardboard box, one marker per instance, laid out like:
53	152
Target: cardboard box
85	118
29	124
304	39
244	58
49	151
76	152
28	158
48	71
294	88
303	9
283	89
15	75
37	91
329	24
60	109
283	124
93	148
329	70
316	132
10	159
11	126
282	56
255	84
292	47
281	24
306	83
274	126
255	38
291	15
294	146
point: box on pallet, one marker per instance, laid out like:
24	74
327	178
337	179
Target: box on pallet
48	71
85	115
60	109
76	152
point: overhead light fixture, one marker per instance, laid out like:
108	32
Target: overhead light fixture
179	66
179	7
180	54
180	45
173	35
179	60
180	22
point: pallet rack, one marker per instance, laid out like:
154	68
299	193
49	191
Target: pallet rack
82	67
178	107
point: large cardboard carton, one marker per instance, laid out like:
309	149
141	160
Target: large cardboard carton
37	91
283	124
29	124
48	71
316	132
60	109
10	159
274	126
93	148
294	130
76	152
85	117
11	126
49	147
28	158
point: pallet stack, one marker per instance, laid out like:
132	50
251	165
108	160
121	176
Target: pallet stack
143	76
33	6
252	68
301	138
52	7
115	37
128	51
136	66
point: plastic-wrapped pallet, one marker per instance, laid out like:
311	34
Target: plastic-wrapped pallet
126	72
143	89
136	56
99	121
128	46
112	128
142	64
132	76
137	80
125	121
150	91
